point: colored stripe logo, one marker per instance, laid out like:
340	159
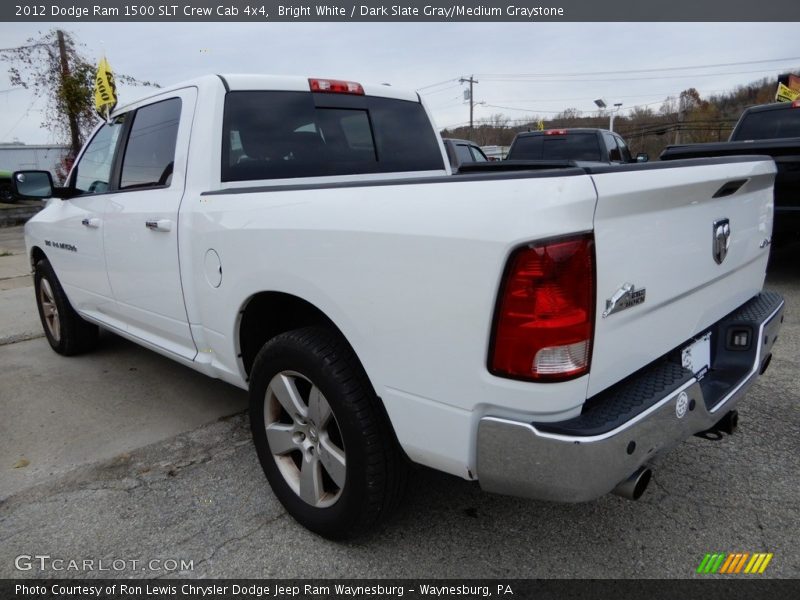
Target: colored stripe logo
734	563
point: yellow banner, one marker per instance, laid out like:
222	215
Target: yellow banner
540	125
785	94
105	90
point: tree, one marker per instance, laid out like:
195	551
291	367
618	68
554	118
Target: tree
52	66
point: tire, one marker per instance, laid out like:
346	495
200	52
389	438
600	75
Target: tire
65	330
331	456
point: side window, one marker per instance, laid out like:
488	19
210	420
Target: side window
611	146
625	154
477	154
93	172
462	154
150	153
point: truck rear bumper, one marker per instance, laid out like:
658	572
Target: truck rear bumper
632	422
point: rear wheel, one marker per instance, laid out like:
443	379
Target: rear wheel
322	437
65	330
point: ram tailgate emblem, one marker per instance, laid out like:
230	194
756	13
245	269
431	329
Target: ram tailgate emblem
623	298
721	240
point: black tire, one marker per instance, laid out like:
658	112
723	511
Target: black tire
67	333
375	468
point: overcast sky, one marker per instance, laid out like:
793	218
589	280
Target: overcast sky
418	55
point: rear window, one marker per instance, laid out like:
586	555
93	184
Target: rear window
769	124
277	135
572	146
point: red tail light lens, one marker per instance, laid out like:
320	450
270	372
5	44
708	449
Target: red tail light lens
556	132
335	86
545	311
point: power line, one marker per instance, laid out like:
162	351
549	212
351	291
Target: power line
684	68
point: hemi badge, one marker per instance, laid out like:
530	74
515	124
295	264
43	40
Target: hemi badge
623	298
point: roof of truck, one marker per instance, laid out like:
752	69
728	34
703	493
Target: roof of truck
256	82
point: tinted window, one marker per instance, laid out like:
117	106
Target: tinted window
150	153
768	124
611	147
477	154
625	153
93	171
572	146
462	154
275	135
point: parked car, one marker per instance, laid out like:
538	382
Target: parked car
767	130
461	152
579	144
6	188
547	332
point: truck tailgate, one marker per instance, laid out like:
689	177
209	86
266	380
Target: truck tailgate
655	229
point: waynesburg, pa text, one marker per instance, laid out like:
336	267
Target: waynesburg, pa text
264	591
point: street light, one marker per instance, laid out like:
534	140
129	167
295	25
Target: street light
600	103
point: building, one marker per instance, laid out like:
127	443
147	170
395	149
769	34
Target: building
16	157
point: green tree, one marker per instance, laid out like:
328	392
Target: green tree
53	66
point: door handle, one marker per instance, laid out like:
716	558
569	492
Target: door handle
92	222
160	225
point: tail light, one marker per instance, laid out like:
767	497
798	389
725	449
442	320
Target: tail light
556	132
335	86
545	311
796	103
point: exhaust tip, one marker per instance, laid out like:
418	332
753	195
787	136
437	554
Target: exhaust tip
635	485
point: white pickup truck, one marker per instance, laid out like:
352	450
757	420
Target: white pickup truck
547	331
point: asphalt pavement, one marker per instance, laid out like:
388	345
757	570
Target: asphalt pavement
136	459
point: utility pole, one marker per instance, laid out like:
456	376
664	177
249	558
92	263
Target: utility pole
73	119
471	81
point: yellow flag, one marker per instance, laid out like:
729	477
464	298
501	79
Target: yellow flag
540	125
105	90
786	94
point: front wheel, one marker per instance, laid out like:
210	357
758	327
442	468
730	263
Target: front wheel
64	329
323	440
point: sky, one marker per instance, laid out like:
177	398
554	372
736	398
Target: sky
574	63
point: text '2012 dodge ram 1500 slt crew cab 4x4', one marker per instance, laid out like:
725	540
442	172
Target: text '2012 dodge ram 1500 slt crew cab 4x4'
546	332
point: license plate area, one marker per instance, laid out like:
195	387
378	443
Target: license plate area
697	356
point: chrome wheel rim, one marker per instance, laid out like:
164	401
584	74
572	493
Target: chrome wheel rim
304	439
49	309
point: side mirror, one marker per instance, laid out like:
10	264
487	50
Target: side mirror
34	185
642	157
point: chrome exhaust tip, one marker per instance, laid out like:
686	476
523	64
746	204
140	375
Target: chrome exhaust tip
634	486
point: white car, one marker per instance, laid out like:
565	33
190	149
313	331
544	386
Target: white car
547	332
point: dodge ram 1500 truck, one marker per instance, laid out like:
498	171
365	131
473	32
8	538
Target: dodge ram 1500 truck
766	130
581	144
547	332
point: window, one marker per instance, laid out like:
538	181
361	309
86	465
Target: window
570	146
93	172
477	154
150	152
463	154
611	146
624	152
768	124
276	135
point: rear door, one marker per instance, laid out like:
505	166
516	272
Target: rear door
681	244
141	223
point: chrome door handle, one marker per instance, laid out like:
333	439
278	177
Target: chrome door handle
160	225
92	222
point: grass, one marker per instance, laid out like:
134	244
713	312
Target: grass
6	253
